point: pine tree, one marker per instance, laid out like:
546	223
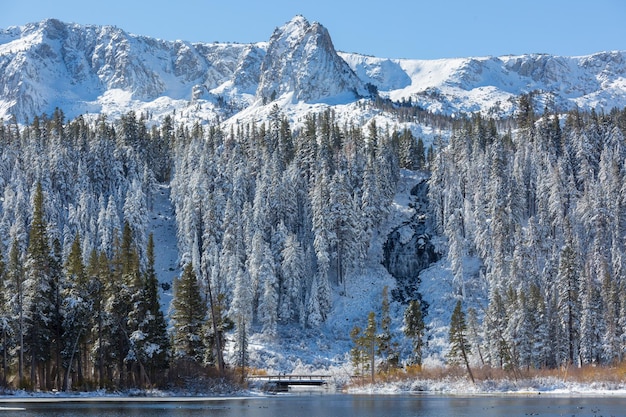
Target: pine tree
342	221
357	354
386	349
120	289
6	322
291	305
149	343
241	346
188	317
474	333
366	344
414	329
459	345
371	342
567	286
223	325
98	272
77	310
268	306
39	291
16	282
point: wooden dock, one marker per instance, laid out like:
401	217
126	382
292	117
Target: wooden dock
281	383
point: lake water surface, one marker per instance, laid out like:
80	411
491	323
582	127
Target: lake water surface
330	405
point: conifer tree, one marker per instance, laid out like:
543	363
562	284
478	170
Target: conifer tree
366	344
188	317
77	310
268	305
357	354
149	343
371	342
39	290
6	328
568	288
16	281
223	325
120	288
99	272
414	329
241	346
291	305
459	345
385	339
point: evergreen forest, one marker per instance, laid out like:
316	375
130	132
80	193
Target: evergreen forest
272	217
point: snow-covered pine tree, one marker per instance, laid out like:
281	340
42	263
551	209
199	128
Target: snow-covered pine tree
568	289
39	293
188	316
77	303
268	300
415	329
459	344
6	322
149	342
292	303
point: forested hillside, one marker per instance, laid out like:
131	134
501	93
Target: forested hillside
542	206
269	221
273	219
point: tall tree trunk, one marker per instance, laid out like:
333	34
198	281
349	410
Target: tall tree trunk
467	365
66	379
218	342
100	353
4	357
21	325
372	359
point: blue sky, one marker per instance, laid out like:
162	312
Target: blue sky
420	29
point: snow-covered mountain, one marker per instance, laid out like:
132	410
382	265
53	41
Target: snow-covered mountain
302	60
94	69
492	84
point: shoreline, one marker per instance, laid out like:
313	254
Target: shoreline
86	397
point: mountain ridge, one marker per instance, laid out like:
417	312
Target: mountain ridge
103	69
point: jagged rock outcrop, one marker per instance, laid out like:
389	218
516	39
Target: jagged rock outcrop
302	60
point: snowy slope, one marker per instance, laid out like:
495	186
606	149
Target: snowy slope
327	349
93	69
491	84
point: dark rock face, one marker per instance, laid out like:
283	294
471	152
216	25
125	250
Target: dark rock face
408	249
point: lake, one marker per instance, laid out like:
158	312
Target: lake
318	405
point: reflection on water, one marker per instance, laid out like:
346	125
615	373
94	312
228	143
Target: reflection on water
331	405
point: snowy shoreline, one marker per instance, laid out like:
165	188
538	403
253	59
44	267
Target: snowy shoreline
91	397
443	388
526	387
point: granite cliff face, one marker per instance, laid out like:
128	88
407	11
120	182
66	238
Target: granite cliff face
409	250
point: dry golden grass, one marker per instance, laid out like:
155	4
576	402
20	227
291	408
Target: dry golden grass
256	371
586	374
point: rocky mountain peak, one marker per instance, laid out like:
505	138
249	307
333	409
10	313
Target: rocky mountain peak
302	60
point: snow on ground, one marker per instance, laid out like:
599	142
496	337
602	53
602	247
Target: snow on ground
326	350
462	386
163	228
